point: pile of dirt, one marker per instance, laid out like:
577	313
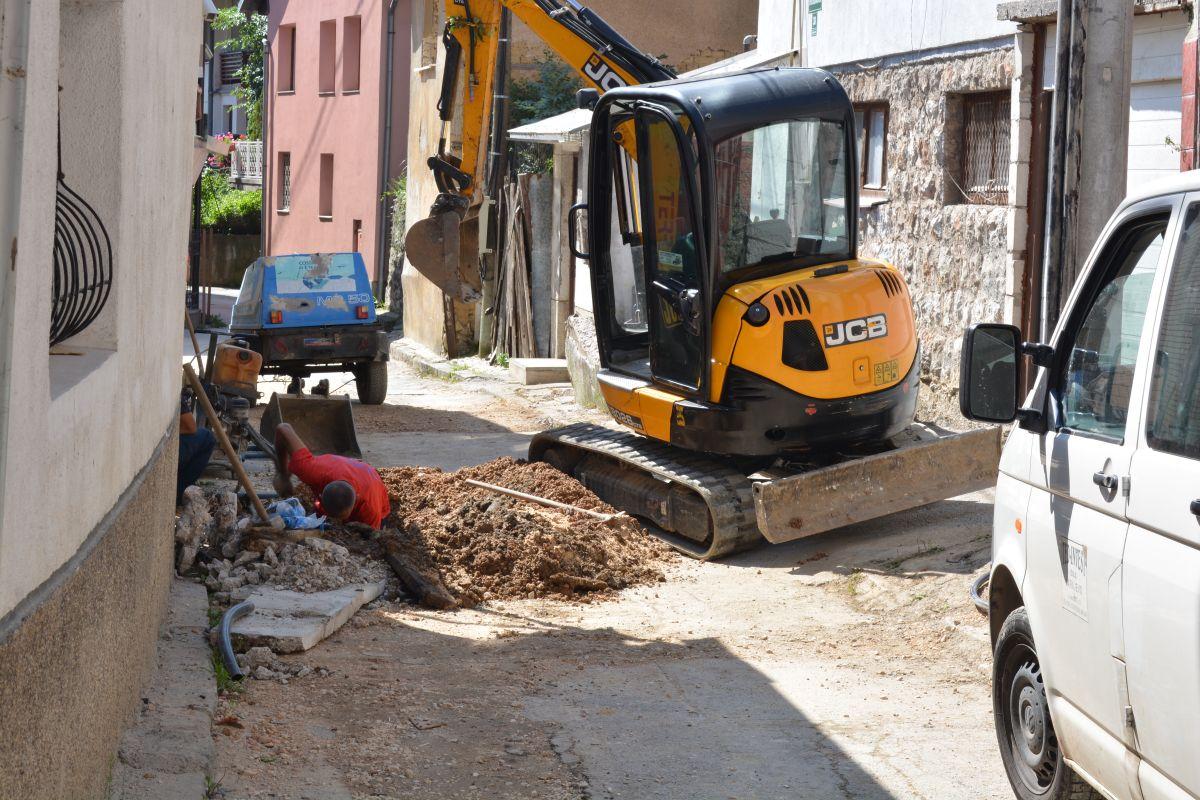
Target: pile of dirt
485	546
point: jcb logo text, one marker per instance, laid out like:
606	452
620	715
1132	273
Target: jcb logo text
602	74
855	330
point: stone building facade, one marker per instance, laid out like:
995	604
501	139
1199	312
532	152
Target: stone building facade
953	248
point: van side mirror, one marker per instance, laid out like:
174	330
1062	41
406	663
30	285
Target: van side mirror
987	380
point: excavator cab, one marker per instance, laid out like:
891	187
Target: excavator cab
732	312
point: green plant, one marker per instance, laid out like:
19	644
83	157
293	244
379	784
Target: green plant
248	35
502	360
229	210
225	682
397	195
214	321
855	580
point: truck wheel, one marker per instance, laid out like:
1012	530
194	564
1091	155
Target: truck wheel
371	382
1029	747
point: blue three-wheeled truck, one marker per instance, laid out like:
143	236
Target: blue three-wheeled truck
311	313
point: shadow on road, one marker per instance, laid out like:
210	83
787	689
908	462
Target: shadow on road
946	537
542	706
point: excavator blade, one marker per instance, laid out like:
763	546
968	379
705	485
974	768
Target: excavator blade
443	247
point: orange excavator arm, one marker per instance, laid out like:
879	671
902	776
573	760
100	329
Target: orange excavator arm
604	60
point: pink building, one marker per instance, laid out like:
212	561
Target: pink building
331	148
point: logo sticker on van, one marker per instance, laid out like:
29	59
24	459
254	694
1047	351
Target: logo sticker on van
1075	587
855	330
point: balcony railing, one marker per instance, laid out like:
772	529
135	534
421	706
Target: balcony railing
246	162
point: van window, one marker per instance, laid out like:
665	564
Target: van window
1099	376
1173	422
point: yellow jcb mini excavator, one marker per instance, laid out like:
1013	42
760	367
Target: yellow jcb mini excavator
770	374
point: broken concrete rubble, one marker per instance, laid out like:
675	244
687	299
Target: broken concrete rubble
191	528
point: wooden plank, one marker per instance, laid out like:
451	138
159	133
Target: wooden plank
878	485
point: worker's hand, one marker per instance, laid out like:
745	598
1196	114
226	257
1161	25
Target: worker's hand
283	485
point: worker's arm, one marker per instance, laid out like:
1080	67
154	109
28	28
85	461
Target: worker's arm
187	423
287	442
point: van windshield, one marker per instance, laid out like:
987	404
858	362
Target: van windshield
781	193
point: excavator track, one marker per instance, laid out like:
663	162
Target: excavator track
700	506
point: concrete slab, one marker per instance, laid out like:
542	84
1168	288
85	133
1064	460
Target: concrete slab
292	622
448	451
169	750
530	371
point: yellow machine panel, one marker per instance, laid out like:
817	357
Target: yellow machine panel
638	405
859	310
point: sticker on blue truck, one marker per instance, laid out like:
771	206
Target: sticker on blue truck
317	272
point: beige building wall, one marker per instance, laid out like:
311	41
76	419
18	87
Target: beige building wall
87	432
682	34
428	314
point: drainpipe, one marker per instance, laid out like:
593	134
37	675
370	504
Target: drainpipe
1058	254
1190	129
382	235
267	173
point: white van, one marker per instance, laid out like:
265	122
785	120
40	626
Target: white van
1095	585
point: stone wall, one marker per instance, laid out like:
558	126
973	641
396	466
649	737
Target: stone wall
955	256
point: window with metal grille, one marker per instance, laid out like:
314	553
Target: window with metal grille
231	62
870	123
984	151
285	183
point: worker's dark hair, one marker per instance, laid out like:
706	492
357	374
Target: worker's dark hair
338	498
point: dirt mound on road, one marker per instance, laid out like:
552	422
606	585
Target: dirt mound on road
488	546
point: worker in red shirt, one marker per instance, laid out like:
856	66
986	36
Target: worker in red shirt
349	490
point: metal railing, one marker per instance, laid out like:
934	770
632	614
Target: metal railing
83	265
246	162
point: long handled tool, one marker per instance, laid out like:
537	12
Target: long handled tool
226	445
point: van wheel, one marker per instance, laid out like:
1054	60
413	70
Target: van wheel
371	382
1028	745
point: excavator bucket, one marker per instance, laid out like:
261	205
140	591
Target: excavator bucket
444	248
325	424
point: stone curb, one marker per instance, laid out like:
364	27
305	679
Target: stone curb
426	362
168	751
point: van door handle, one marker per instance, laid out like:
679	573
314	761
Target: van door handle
1195	507
1105	480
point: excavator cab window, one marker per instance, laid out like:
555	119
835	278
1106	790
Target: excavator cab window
674	247
781	195
656	273
625	252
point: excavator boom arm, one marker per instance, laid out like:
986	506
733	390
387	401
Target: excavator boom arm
603	58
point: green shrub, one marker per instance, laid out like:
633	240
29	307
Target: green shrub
228	210
239	211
